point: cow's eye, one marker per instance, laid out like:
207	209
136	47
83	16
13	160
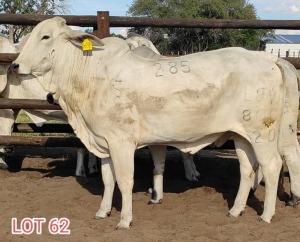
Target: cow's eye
45	37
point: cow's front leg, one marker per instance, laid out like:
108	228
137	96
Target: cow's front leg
109	180
123	162
158	153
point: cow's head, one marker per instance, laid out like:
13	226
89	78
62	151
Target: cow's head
47	38
5	47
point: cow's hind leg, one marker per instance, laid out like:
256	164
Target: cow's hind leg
158	153
93	167
109	180
248	165
291	155
270	161
191	172
3	165
80	169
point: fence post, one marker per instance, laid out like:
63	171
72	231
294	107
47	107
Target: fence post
103	24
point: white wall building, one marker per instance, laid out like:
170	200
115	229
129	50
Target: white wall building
284	45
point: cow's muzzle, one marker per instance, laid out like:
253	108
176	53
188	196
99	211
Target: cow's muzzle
50	99
14	66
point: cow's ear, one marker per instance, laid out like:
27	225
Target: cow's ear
77	37
23	42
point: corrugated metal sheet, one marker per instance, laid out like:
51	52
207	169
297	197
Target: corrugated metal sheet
285	39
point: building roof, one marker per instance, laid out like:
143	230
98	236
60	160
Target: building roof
285	39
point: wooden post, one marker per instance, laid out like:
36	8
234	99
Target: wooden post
103	24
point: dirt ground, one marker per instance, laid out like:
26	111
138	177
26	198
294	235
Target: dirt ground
41	183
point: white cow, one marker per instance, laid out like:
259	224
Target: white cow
188	102
27	87
145	48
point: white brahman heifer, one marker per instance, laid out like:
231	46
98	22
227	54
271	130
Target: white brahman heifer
27	87
145	48
188	102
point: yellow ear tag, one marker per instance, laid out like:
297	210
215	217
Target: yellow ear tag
87	45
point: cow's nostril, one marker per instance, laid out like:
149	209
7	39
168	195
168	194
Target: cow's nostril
14	66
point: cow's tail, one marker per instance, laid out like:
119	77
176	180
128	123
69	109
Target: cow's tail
288	145
291	85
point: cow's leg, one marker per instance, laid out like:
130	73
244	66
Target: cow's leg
158	153
248	166
7	120
93	167
190	170
271	164
109	180
257	179
80	170
122	155
3	165
291	155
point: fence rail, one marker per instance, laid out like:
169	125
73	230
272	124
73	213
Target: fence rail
40	141
119	21
7	103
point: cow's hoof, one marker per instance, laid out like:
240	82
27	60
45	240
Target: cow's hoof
293	202
155	201
80	174
102	215
3	166
194	178
124	225
261	219
234	214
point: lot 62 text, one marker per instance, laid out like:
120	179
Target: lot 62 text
31	225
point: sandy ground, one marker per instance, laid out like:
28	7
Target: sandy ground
41	183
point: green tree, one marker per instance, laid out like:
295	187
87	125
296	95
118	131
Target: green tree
198	39
48	7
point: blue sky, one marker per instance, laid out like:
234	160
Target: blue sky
266	9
